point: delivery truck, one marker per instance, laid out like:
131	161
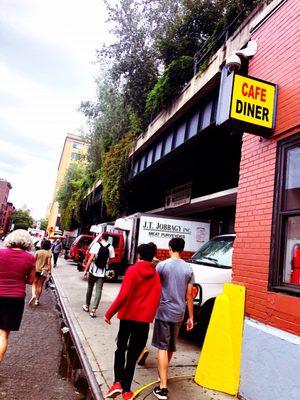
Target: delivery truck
129	232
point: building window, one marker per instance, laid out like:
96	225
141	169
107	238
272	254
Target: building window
157	153
180	135
168	144
193	125
285	256
76	145
75	156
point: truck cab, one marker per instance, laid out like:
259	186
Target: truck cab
116	266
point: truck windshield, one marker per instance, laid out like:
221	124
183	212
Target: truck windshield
217	252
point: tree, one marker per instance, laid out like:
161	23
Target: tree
108	120
71	193
142	71
21	219
44	224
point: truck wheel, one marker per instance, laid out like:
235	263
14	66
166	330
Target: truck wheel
79	267
204	319
111	275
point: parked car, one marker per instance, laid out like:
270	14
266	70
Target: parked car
79	248
212	266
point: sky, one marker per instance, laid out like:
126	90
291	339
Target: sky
47	67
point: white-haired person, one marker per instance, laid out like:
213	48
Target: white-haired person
17	267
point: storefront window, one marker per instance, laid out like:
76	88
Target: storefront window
285	257
291	267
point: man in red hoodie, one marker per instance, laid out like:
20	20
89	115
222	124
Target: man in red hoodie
136	305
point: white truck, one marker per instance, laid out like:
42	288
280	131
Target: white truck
212	266
131	231
37	235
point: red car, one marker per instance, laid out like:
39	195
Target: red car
79	248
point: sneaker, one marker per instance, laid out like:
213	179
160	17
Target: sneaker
85	308
31	301
36	303
93	314
143	356
127	395
114	391
161	394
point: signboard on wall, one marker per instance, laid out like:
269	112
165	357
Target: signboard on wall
179	196
161	230
247	103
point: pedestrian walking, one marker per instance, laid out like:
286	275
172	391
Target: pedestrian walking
145	353
42	271
177	279
17	267
95	268
136	305
57	248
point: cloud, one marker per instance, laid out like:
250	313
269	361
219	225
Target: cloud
47	62
45	72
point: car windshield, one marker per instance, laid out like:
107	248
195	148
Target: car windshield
217	252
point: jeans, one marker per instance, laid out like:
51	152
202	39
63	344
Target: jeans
93	280
132	337
55	257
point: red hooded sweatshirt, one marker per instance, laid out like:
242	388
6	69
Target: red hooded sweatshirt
139	295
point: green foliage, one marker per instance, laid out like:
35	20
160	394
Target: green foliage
44	224
176	75
142	71
133	63
71	194
108	120
114	171
21	219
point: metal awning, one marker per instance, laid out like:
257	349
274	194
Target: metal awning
225	198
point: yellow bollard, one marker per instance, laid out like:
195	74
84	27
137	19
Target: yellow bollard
220	359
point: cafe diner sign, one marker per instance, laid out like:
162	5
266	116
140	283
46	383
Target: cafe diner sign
247	103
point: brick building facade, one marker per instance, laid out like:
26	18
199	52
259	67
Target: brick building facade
4	192
267	222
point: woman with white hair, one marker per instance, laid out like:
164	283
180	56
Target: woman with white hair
17	267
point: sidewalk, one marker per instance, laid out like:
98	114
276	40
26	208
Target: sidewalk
98	341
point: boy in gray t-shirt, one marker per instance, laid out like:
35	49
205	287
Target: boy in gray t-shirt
177	279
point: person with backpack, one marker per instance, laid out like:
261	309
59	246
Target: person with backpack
95	268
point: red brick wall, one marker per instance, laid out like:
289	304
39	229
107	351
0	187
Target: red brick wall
277	60
163	254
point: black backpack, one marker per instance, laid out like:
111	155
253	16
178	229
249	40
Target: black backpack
102	256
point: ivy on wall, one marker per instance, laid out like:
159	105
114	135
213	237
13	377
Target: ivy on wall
114	171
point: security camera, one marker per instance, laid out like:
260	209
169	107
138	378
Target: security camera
233	63
248	51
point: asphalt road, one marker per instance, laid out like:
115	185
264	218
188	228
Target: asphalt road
30	367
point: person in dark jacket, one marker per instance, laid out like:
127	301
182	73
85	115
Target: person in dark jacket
136	305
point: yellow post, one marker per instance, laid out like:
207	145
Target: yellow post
220	359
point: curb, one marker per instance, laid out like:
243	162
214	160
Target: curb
90	376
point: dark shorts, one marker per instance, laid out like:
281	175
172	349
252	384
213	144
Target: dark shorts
165	334
11	313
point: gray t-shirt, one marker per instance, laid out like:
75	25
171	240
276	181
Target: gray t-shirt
175	275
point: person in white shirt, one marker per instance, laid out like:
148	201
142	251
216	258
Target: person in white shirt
100	253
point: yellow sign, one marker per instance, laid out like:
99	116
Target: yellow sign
253	101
